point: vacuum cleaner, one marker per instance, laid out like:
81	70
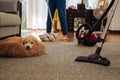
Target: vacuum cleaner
88	30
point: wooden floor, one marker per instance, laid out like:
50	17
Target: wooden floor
112	36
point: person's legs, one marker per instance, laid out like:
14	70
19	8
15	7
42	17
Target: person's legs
52	7
61	6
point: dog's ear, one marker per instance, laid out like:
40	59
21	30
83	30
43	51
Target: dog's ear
36	42
23	41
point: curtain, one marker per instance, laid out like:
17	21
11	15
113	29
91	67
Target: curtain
91	4
72	3
36	11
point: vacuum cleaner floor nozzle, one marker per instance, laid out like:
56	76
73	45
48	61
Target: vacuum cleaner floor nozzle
101	61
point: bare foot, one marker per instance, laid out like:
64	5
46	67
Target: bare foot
63	38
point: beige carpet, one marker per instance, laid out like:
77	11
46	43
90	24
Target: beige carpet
59	64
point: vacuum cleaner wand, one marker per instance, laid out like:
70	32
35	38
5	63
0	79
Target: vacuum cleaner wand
96	58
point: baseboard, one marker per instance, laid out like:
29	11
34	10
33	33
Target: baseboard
114	32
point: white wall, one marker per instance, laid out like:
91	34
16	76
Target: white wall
115	24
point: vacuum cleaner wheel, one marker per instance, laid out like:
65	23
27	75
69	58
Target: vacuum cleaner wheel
84	28
83	36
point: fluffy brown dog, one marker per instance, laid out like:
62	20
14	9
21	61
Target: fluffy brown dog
14	39
29	46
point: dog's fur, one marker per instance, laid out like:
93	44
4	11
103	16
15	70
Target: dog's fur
17	47
13	39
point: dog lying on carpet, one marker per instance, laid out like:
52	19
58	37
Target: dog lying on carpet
21	47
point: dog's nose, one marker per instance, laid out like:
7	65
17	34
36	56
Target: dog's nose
27	47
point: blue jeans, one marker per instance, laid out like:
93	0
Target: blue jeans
61	6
